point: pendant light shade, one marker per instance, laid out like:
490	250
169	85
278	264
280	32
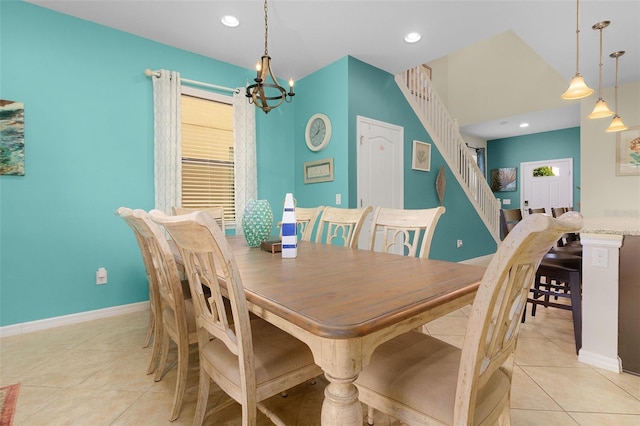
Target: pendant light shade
616	123
601	109
578	89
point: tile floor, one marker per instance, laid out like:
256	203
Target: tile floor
93	373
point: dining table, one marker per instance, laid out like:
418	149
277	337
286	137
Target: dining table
344	302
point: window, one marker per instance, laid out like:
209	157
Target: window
207	151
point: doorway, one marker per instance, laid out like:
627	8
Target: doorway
547	184
380	155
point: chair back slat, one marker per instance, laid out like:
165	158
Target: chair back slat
411	230
341	224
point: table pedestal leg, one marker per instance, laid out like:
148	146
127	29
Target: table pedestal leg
341	405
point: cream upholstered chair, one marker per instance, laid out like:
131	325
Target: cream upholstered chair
250	360
216	212
178	320
419	379
410	230
345	224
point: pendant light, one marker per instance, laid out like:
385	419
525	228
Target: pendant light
264	94
578	89
616	123
601	109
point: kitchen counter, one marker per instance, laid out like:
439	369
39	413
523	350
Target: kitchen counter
612	226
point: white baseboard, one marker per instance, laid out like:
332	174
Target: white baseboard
480	261
44	324
597	360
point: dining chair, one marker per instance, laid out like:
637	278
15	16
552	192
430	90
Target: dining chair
306	218
178	320
250	360
508	219
154	323
569	241
216	212
341	224
408	231
537	210
419	379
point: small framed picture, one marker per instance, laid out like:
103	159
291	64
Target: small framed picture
421	158
628	152
504	179
318	171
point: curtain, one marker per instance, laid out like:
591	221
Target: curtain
246	170
167	140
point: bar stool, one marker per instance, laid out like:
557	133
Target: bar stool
559	276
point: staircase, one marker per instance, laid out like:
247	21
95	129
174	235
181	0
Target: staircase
433	115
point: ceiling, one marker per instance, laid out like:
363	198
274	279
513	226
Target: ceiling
306	35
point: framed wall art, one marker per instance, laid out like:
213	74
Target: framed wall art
11	138
421	158
318	171
628	152
504	179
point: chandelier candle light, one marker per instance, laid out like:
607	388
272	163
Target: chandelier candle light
263	92
616	123
578	89
601	109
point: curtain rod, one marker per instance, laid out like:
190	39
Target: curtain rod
150	73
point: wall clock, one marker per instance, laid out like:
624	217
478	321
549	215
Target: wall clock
318	132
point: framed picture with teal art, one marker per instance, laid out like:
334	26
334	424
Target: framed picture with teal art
504	179
11	138
628	152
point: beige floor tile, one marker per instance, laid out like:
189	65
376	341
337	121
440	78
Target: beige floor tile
454	324
31	399
154	408
69	368
126	371
526	394
541	418
583	389
628	382
598	419
543	352
84	407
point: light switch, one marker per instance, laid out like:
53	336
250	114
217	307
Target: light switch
506	201
338	199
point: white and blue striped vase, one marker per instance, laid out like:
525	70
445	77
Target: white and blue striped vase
257	221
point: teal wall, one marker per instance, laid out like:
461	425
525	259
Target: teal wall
89	150
510	152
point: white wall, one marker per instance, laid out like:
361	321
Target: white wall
603	193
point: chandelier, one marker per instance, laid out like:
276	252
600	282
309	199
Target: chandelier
266	94
578	89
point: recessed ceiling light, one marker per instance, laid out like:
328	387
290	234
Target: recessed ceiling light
524	124
412	37
230	21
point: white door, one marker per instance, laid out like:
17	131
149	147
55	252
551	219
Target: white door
380	156
546	184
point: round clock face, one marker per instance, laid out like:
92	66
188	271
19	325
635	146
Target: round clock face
318	132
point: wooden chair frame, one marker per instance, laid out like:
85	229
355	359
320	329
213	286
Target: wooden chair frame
341	223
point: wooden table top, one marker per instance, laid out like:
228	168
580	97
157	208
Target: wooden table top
339	292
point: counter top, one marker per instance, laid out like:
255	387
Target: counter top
612	225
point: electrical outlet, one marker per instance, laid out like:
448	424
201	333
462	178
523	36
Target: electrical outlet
600	257
101	276
458	243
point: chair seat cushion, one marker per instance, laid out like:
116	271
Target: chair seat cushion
421	372
276	353
170	319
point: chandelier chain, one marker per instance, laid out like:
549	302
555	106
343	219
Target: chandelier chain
266	30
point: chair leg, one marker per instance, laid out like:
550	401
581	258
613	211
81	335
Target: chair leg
203	396
164	353
150	329
156	348
370	414
576	307
181	381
